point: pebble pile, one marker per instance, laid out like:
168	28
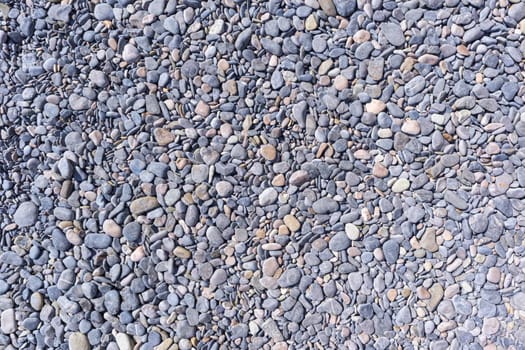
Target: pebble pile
231	174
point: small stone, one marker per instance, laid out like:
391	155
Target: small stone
517	11
143	205
78	341
379	170
393	34
391	251
415	86
218	278
340	82
60	13
436	294
490	326
8	321
352	231
217	27
97	240
202	109
355	281
375	106
289	278
267	197
518	301
103	12
132	231
124	341
181	252
400	185
224	188
411	127
404	316
130	53
163	136
339	242
268	152
310	23
456	200
428	240
26	214
98	78
478	223
78	103
328	7
292	223
325	205
299	177
493	275
111	228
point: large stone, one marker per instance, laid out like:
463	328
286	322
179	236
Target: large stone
143	205
26	214
78	341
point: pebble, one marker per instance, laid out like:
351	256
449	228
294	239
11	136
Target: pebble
26	214
103	12
143	205
78	341
325	206
391	251
400	185
339	242
268	196
8	321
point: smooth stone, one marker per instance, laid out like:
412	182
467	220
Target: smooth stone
393	33
78	103
103	12
290	278
143	205
391	251
78	341
267	197
26	214
325	205
428	240
130	53
458	202
339	242
8	322
352	231
124	341
400	185
97	240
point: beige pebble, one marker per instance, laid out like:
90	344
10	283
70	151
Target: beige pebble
268	152
361	36
375	106
137	254
340	82
493	275
411	127
292	223
111	228
379	170
202	109
310	23
163	136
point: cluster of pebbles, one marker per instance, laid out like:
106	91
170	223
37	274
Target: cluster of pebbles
299	174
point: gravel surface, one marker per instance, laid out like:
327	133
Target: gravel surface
227	174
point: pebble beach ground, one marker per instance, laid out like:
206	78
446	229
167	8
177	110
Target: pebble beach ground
296	174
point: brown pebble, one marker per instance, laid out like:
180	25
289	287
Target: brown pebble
163	136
